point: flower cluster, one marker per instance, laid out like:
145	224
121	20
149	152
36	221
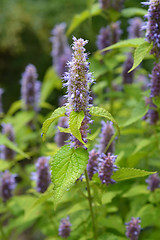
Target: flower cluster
77	81
133	228
106	134
42	176
115	4
8	184
1	107
61	52
153	25
61	137
64	228
30	88
128	78
153	182
109	35
92	166
135	28
7	153
106	168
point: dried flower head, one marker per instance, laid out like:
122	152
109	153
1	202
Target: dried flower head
109	35
8	184
77	81
107	132
128	77
61	137
61	52
153	182
7	153
92	166
133	228
135	28
43	175
1	107
64	228
30	88
153	25
106	168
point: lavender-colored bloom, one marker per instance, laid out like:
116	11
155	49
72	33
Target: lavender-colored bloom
133	228
135	28
109	35
1	108
30	88
153	26
5	152
106	168
153	182
8	184
128	77
107	132
115	4
92	166
43	175
61	137
77	82
64	228
155	81
61	52
152	113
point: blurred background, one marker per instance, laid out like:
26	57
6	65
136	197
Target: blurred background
25	29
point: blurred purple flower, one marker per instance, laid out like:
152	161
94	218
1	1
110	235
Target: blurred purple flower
106	168
92	166
155	81
135	28
8	184
64	228
61	137
153	182
30	88
128	78
133	229
61	52
115	4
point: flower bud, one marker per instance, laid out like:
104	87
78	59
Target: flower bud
133	229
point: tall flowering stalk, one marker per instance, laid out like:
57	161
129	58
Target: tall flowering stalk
30	88
92	166
5	152
135	28
133	228
77	81
153	26
8	184
61	51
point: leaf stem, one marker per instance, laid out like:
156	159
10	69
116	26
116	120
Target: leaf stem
90	206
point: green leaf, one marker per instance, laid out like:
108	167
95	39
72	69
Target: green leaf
136	190
135	42
140	52
65	130
137	113
75	121
51	81
128	173
4	165
5	141
67	166
59	112
14	107
79	18
101	112
132	12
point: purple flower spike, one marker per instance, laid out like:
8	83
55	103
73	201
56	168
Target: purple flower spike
128	77
106	168
153	26
109	35
1	108
135	28
5	152
92	166
61	52
115	4
77	81
64	228
8	184
133	229
153	182
61	137
30	88
155	81
43	175
107	132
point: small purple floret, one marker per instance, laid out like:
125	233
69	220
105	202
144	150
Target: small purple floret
133	228
153	182
64	228
8	184
92	166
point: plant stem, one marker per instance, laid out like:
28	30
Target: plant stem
90	206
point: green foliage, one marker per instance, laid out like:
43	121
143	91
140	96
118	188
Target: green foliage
132	12
67	166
